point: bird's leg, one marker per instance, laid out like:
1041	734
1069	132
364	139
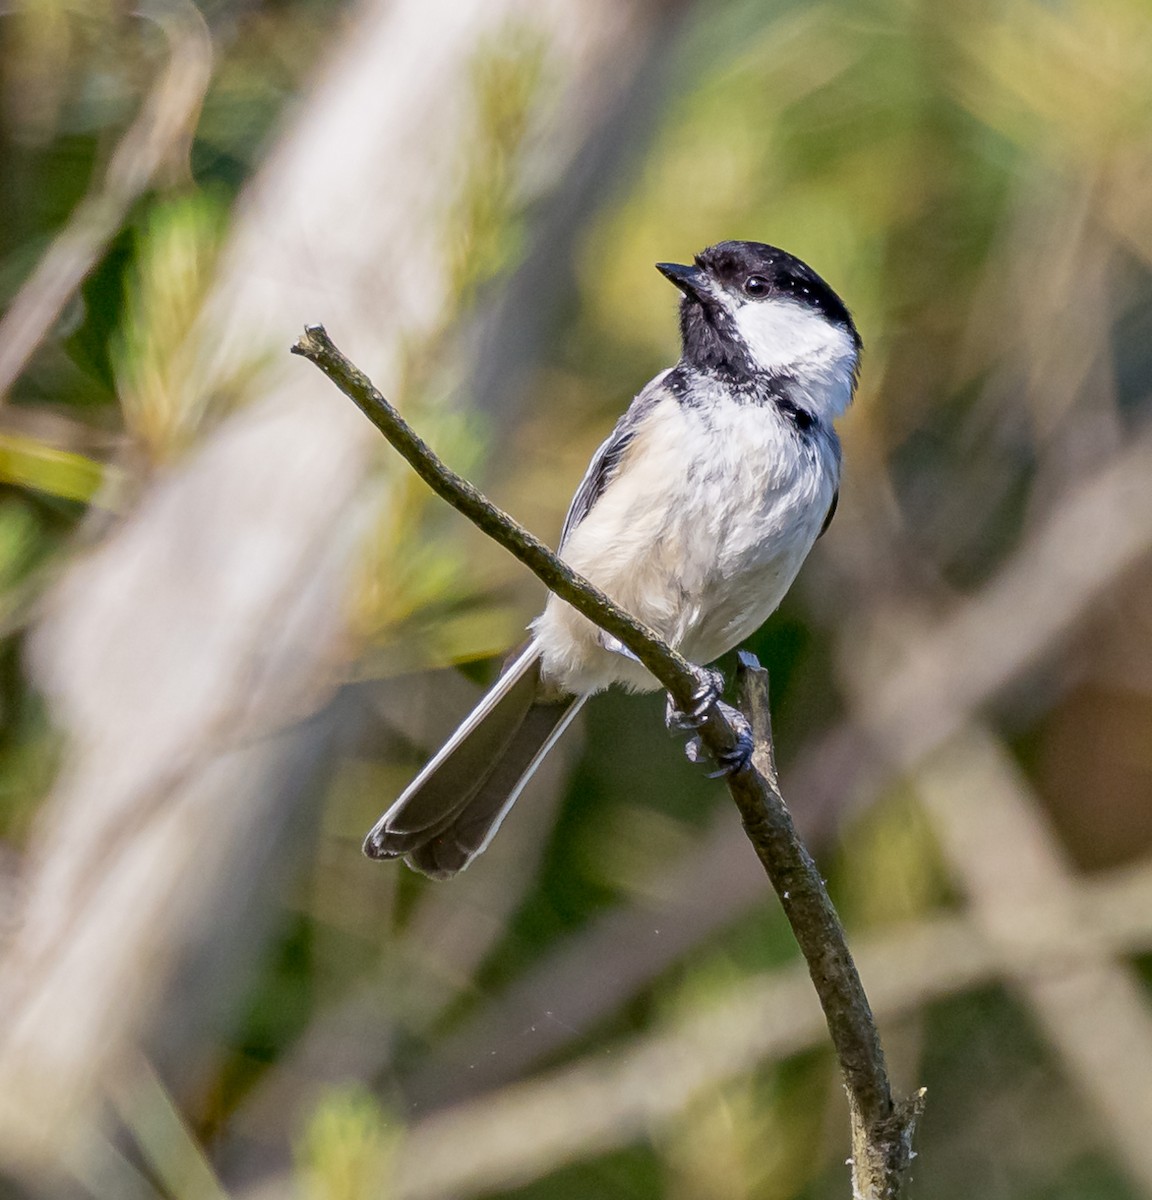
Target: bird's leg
710	689
708	692
615	646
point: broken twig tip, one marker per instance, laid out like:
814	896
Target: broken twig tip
313	338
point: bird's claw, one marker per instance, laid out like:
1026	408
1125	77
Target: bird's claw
708	693
728	762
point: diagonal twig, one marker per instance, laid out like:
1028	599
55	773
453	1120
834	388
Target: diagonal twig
674	671
882	1128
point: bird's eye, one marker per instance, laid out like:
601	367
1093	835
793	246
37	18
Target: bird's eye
756	285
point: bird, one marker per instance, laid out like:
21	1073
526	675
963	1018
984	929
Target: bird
695	515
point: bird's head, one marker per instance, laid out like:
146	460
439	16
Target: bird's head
750	310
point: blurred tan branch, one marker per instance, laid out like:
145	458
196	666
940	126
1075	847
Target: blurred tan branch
593	1107
158	138
1029	903
882	1129
515	1134
162	1133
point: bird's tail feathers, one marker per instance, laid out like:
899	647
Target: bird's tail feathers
449	813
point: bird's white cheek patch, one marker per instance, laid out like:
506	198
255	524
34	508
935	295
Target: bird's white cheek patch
782	335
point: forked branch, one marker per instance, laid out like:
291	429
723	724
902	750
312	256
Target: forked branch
882	1128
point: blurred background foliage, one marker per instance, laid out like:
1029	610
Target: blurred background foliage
974	179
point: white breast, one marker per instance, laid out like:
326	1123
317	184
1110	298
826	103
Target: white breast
700	534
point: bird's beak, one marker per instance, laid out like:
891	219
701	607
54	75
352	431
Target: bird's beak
692	281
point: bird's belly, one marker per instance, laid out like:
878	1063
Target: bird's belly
700	539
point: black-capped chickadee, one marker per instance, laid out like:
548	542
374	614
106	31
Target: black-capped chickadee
695	516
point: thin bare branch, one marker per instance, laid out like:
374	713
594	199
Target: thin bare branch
674	671
882	1129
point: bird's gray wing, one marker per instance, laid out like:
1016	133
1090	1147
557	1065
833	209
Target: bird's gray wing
606	461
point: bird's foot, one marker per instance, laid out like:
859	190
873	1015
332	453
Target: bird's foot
708	693
728	762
